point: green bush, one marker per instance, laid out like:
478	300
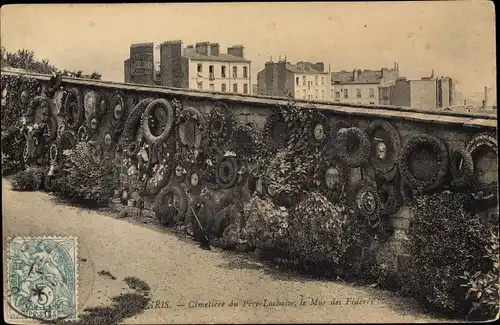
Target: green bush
88	178
30	179
445	241
319	233
266	224
483	287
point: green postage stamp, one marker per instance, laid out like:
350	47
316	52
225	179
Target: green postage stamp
42	278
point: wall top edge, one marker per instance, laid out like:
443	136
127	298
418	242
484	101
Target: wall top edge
384	111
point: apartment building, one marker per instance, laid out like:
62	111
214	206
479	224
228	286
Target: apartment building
303	80
361	86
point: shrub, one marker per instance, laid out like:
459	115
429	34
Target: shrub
30	179
88	178
483	287
12	152
445	241
266	224
318	233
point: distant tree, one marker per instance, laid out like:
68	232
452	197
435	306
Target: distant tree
25	59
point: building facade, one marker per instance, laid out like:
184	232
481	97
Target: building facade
201	67
361	86
304	80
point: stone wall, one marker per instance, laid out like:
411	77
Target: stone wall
455	131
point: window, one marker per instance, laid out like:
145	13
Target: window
372	92
223	87
200	85
346	93
245	72
235	72
211	72
358	92
386	93
337	95
211	86
322	81
316	80
200	67
235	88
322	94
304	93
223	71
304	80
297	81
316	93
245	88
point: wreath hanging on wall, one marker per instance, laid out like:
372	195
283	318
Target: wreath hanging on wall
117	114
461	168
227	169
277	130
147	117
221	124
353	146
332	177
483	149
53	152
91	103
366	202
27	88
386	145
170	205
83	134
331	141
93	123
191	128
133	121
424	162
73	109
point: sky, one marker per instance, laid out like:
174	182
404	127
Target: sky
455	38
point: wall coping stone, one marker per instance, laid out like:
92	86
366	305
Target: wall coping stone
470	120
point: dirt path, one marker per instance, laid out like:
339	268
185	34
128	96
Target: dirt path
179	272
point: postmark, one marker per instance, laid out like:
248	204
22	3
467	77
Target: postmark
42	278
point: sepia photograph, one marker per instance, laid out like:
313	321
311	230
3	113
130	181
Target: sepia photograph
249	162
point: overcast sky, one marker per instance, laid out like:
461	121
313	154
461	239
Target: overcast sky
456	38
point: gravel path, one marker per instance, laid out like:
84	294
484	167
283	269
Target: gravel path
180	273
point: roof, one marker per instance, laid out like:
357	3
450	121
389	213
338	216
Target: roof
365	77
192	54
292	68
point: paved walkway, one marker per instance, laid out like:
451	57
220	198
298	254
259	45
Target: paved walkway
183	274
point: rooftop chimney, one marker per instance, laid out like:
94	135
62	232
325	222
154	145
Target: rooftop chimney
319	66
236	50
300	65
203	48
355	74
214	49
307	66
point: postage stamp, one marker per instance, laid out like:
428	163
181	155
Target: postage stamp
42	278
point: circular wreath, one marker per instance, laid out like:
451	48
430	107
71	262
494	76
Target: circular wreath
417	175
53	152
461	168
391	199
102	104
169	121
353	146
277	130
479	146
133	120
319	128
73	109
133	148
332	178
386	145
366	202
190	119
108	141
195	180
221	122
170	205
227	171
118	112
91	102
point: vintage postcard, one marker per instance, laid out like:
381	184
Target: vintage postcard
214	163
